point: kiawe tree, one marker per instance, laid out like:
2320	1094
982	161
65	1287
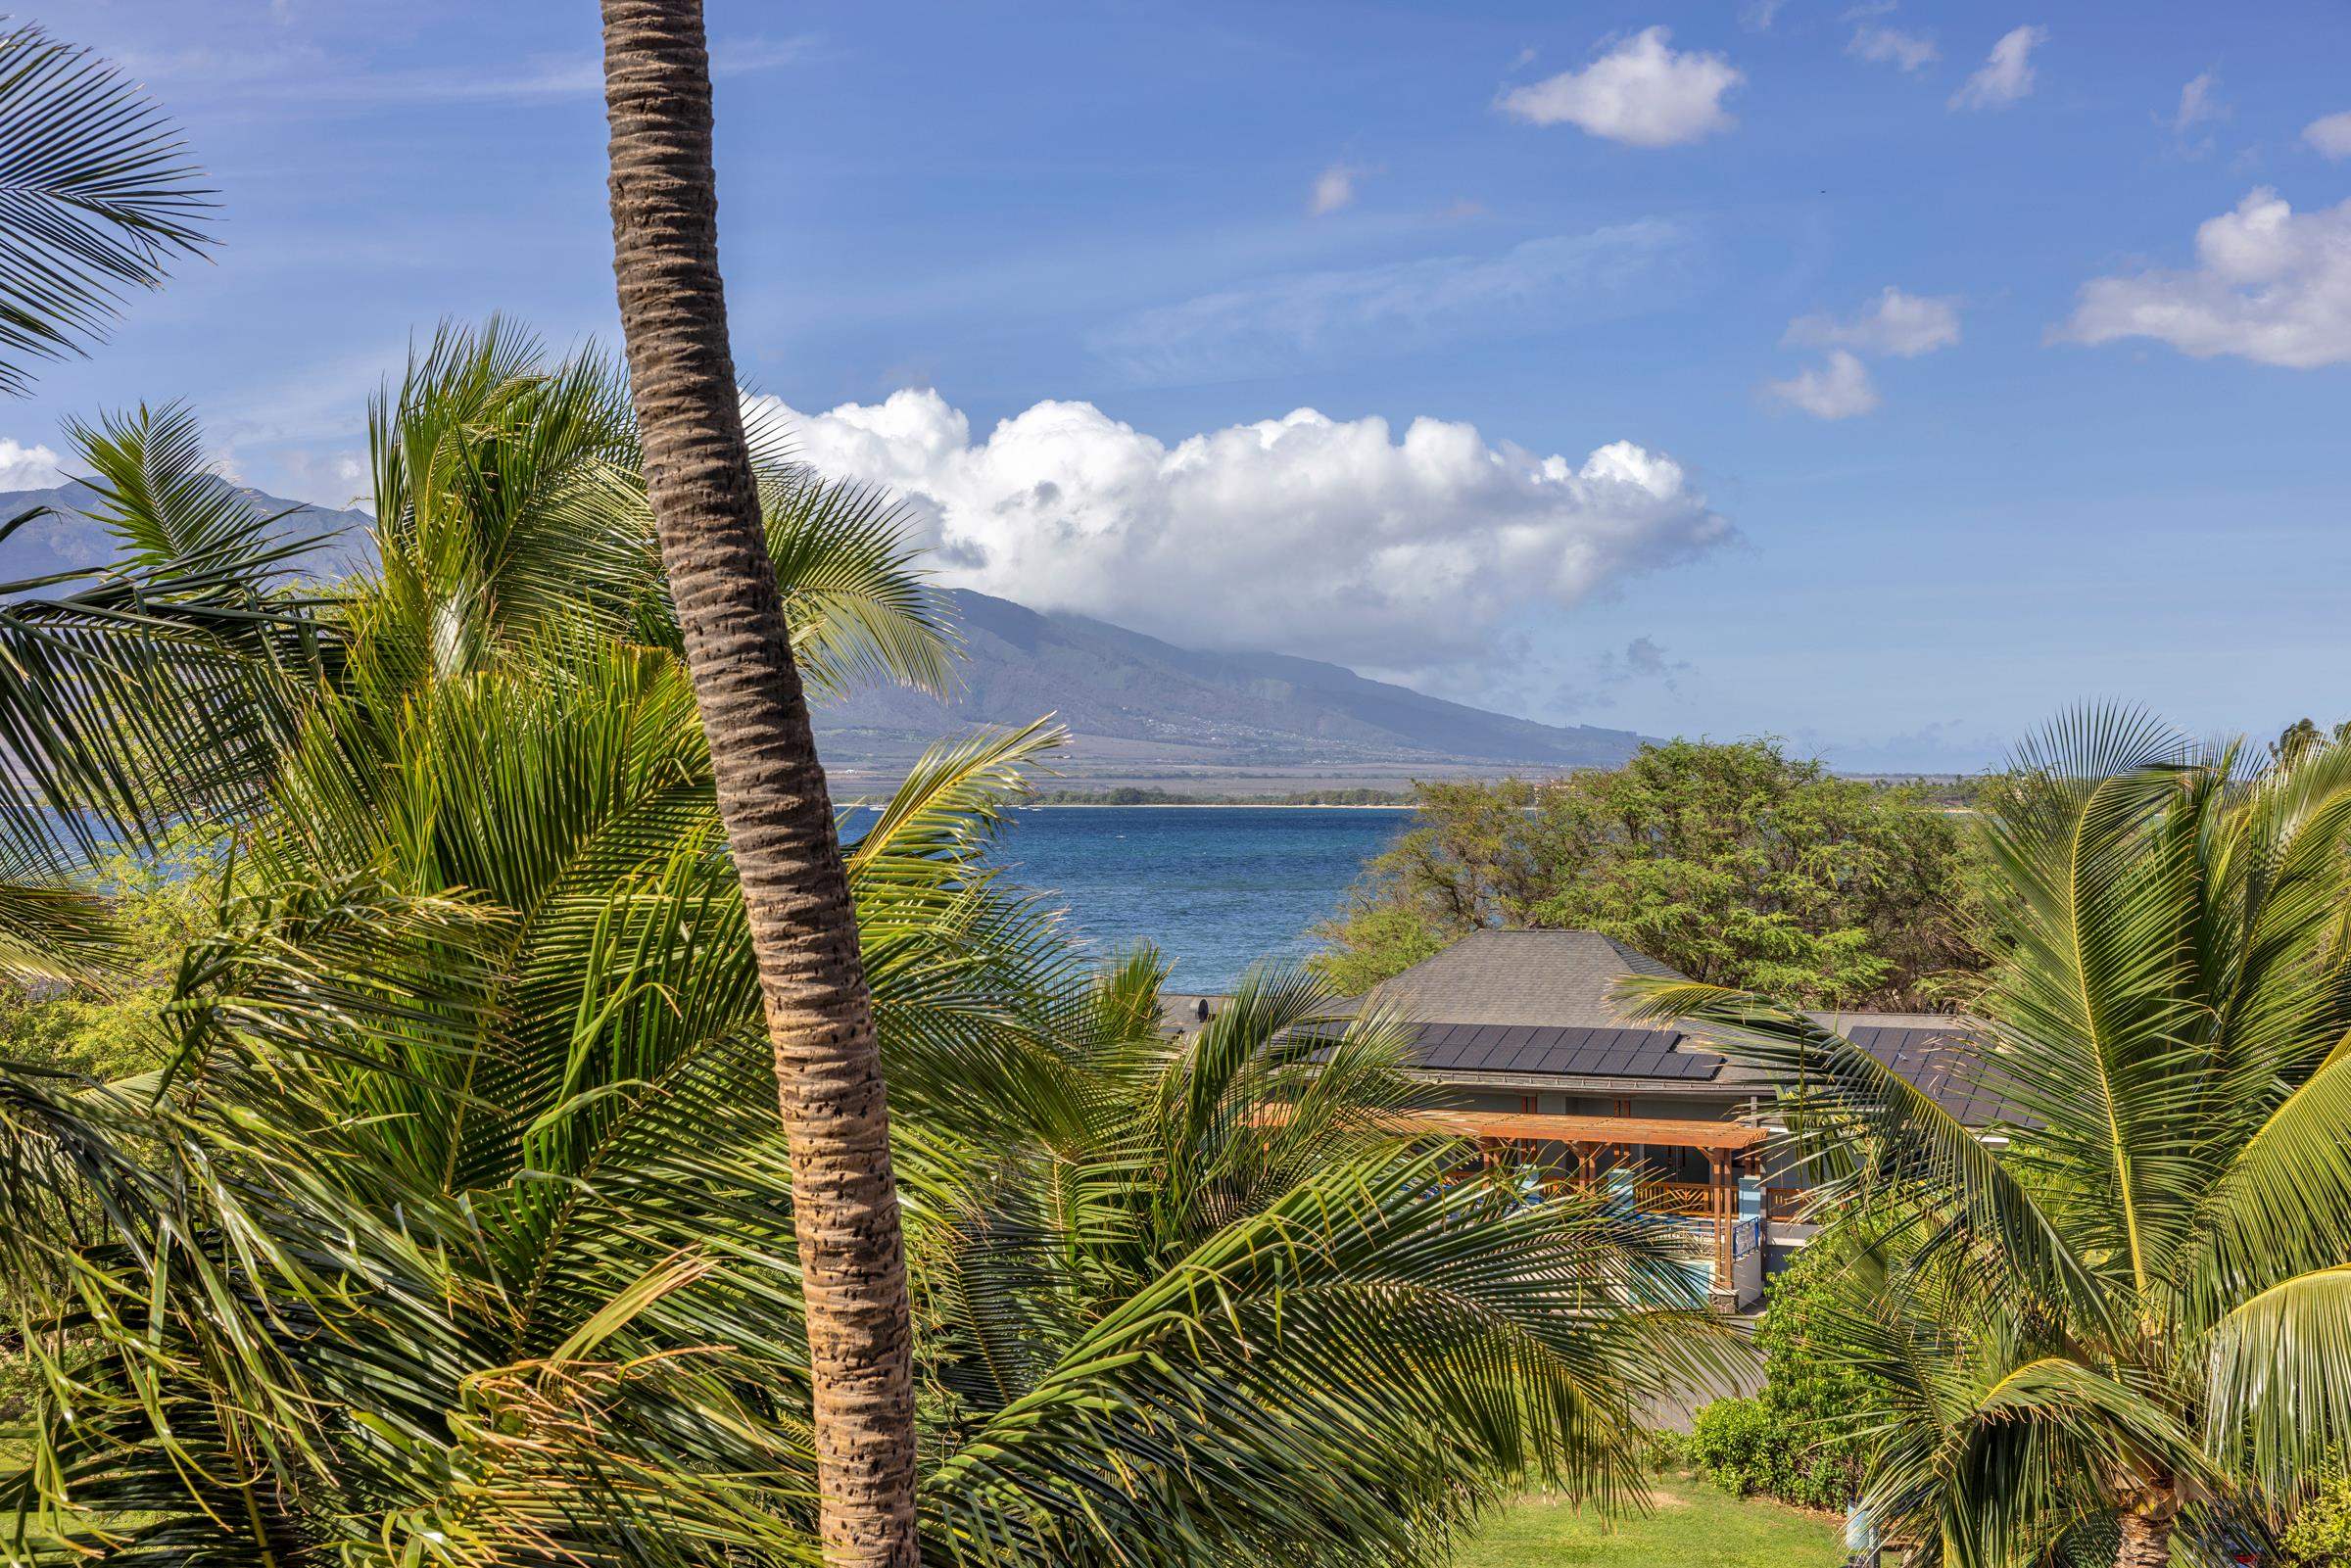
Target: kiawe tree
771	791
1735	863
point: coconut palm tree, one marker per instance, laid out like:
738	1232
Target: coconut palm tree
771	791
99	196
2129	1314
451	1227
489	732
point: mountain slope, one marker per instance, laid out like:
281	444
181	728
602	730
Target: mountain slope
69	541
1133	699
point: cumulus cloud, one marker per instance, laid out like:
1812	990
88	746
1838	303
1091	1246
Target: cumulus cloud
1641	93
1895	322
2006	74
1905	325
1333	189
1273	325
2270	285
1838	389
1335	539
2332	135
1884	44
24	468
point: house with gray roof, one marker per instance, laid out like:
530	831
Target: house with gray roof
1522	1034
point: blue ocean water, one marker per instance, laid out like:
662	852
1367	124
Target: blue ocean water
1216	887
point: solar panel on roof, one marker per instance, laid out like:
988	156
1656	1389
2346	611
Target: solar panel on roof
1553	1056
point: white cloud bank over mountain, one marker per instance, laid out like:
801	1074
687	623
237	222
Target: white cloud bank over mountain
1333	539
1641	93
2271	285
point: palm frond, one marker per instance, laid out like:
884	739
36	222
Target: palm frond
859	609
159	688
96	194
2280	1379
1858	1122
55	932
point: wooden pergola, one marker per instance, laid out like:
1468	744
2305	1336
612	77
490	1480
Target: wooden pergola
1727	1145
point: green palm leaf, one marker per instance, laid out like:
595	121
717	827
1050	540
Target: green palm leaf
96	194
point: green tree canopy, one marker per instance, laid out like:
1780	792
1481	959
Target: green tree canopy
1736	862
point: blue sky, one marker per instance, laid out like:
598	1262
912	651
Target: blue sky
1886	379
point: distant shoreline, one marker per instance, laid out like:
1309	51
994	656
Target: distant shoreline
1175	805
1214	805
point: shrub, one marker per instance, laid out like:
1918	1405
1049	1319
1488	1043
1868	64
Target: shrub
1792	1441
1748	1445
2320	1535
1731	1442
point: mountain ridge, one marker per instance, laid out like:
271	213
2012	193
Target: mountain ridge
1132	700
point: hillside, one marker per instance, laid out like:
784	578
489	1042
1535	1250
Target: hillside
1144	709
63	543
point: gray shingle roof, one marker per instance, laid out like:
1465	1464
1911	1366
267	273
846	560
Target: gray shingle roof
1544	1002
1550	979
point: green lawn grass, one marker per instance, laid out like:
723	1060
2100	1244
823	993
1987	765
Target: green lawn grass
1692	1523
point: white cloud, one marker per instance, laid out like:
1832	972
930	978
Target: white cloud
2332	135
2006	74
323	477
2197	103
1334	188
1758	15
1883	45
2270	285
1320	537
1895	322
1838	389
1641	92
24	468
1271	324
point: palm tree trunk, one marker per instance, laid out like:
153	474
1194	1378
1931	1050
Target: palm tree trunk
2146	1541
771	792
